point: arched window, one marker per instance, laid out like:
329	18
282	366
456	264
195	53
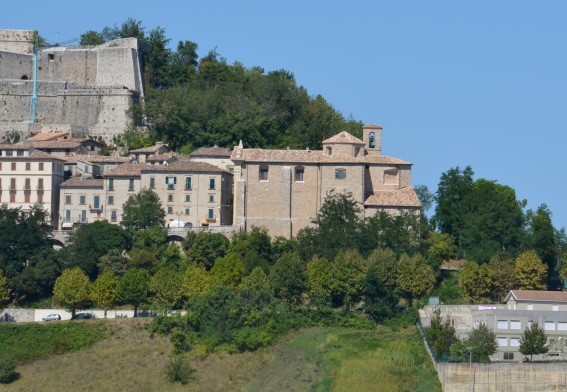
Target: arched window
372	140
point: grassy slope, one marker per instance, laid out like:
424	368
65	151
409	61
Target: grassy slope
312	360
349	360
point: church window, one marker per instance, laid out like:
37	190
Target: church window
340	174
264	173
372	140
299	171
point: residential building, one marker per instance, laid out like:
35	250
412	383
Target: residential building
217	156
29	176
119	184
82	201
66	147
524	307
196	193
284	189
140	155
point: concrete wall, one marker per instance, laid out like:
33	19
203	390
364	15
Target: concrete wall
18	41
503	377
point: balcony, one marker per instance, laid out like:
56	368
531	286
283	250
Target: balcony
95	207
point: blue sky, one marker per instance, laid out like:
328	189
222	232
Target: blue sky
453	83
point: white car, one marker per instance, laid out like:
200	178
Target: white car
52	317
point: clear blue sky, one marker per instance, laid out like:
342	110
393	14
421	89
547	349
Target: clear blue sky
453	83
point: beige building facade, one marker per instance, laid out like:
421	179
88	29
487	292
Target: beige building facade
29	176
284	189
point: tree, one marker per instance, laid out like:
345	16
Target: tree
72	290
442	334
228	271
415	278
533	341
542	238
503	273
142	211
196	281
531	272
134	288
383	263
288	279
256	282
4	291
453	187
91	38
167	287
104	290
92	241
207	248
115	260
337	226
475	282
482	343
441	247
255	248
383	230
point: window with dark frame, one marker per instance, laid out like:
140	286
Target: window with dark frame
299	171
263	173
340	174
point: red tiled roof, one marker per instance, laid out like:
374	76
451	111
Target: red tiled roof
78	182
537	296
215	151
186	166
405	197
343	138
125	170
44	136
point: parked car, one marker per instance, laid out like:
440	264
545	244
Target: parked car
52	317
83	316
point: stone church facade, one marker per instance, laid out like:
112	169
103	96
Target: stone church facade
284	189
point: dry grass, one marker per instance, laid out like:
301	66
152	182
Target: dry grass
131	360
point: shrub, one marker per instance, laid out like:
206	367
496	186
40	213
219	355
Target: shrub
178	370
8	372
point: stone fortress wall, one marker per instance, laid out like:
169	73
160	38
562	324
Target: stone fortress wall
90	88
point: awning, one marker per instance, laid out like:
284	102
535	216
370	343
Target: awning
67	225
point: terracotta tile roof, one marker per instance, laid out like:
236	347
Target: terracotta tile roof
74	158
151	149
77	182
536	296
308	156
14	147
183	167
44	136
44	155
405	197
56	144
108	159
343	138
162	157
126	170
215	151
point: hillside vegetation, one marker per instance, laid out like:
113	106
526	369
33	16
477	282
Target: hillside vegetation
132	359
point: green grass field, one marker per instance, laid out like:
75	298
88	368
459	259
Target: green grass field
131	359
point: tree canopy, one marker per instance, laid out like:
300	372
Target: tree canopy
142	211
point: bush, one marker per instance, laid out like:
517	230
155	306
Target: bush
8	372
178	370
180	340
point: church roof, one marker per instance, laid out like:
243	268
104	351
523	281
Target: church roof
308	156
405	197
343	138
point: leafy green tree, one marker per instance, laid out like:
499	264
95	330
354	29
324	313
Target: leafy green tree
172	257
383	263
228	271
503	273
144	259
442	334
493	221
533	341
142	211
337	226
133	288
289	279
542	239
441	247
4	291
37	279
475	282
415	277
482	343
207	247
72	290
104	290
531	273
91	38
256	282
383	230
254	247
197	281
340	282
453	187
167	287
92	241
115	261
